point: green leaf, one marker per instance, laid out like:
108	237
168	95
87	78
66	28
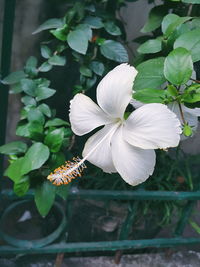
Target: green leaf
167	20
85	71
44	108
45	67
191	1
14	170
86	30
78	41
22	186
114	50
29	86
60	33
35	157
149	95
14	77
28	100
171	22
97	67
178	66
150	74
194	225
13	148
191	94
94	22
44	197
56	122
63	191
44	93
191	41
45	51
31	66
155	18
16	88
56	160
54	139
57	60
150	46
33	129
34	114
50	24
112	28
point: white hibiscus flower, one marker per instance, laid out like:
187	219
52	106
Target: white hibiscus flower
123	146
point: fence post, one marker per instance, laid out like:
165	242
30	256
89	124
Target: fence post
7	36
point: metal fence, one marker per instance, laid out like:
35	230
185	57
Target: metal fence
134	197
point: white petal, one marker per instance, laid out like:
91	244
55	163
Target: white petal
85	115
114	92
134	165
136	104
101	156
152	126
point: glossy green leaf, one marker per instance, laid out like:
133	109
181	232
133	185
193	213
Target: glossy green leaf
60	33
94	22
63	191
172	27
191	1
57	60
35	157
54	139
86	29
21	187
178	66
44	93
45	51
114	50
78	41
29	86
97	67
44	197
33	129
112	28
168	20
150	74
56	122
155	18
150	46
45	67
191	94
50	24
14	77
13	148
28	100
191	41
34	114
31	66
149	95
56	160
85	71
45	109
14	170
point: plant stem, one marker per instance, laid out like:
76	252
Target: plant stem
181	112
196	81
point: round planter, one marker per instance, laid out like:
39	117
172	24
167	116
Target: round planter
22	226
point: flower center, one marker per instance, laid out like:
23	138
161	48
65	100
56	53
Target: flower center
73	169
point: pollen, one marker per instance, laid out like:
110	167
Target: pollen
67	172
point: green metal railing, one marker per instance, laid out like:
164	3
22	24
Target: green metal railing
134	197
